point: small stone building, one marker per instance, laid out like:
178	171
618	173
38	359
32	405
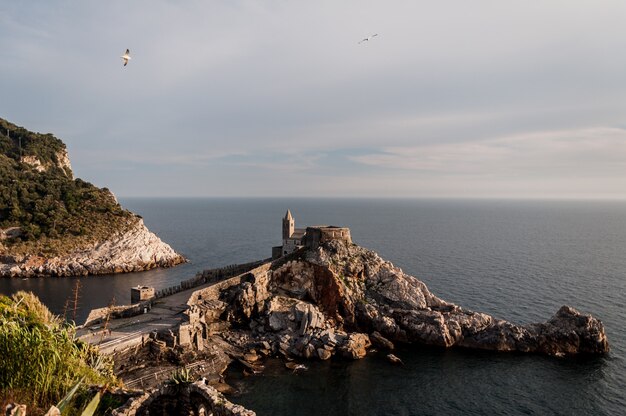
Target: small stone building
141	294
311	237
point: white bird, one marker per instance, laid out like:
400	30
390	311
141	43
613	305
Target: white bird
126	57
367	39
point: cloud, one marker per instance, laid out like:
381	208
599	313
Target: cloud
593	152
278	97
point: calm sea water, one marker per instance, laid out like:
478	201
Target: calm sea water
517	260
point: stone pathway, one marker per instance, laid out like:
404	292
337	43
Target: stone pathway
127	332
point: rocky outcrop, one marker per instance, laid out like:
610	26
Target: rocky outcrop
337	300
132	250
325	302
54	225
61	161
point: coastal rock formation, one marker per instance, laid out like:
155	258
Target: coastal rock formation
54	225
339	298
335	300
131	250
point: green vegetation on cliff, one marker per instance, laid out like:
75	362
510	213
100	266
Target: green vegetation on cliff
53	213
16	142
41	358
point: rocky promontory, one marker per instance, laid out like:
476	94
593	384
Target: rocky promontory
334	300
340	298
52	224
132	250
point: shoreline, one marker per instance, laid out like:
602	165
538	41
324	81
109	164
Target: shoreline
133	250
337	302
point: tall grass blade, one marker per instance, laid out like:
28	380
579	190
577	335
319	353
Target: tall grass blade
69	396
93	405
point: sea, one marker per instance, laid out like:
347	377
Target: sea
518	260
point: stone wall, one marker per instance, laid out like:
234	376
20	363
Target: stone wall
324	234
99	315
208	276
205	309
190	399
212	292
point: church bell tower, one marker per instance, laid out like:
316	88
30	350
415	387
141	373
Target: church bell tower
289	225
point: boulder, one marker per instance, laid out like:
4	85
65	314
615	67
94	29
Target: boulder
394	359
355	346
380	341
323	354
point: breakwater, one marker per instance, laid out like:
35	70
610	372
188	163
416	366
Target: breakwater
100	315
209	276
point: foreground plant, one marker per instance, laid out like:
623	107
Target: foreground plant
181	376
43	360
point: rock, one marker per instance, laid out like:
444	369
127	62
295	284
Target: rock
380	341
251	357
330	338
355	346
312	318
309	351
280	314
292	365
278	321
224	388
320	294
393	359
14	409
135	249
570	332
403	309
323	354
252	368
284	345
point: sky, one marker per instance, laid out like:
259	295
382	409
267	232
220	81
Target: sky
462	99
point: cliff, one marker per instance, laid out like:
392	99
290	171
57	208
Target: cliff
54	225
341	298
132	250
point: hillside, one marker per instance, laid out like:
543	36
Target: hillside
46	213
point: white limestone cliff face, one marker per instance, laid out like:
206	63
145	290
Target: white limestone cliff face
63	162
132	250
34	162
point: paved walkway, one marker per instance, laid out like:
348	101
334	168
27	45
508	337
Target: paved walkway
126	332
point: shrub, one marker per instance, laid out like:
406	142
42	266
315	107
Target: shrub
42	358
50	205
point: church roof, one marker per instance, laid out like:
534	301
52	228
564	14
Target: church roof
288	215
298	233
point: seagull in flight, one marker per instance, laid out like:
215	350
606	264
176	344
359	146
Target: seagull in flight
126	57
367	39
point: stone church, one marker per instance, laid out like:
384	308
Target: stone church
310	237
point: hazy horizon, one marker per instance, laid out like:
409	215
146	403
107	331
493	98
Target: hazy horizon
383	198
488	100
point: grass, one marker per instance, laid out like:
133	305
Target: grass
42	358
